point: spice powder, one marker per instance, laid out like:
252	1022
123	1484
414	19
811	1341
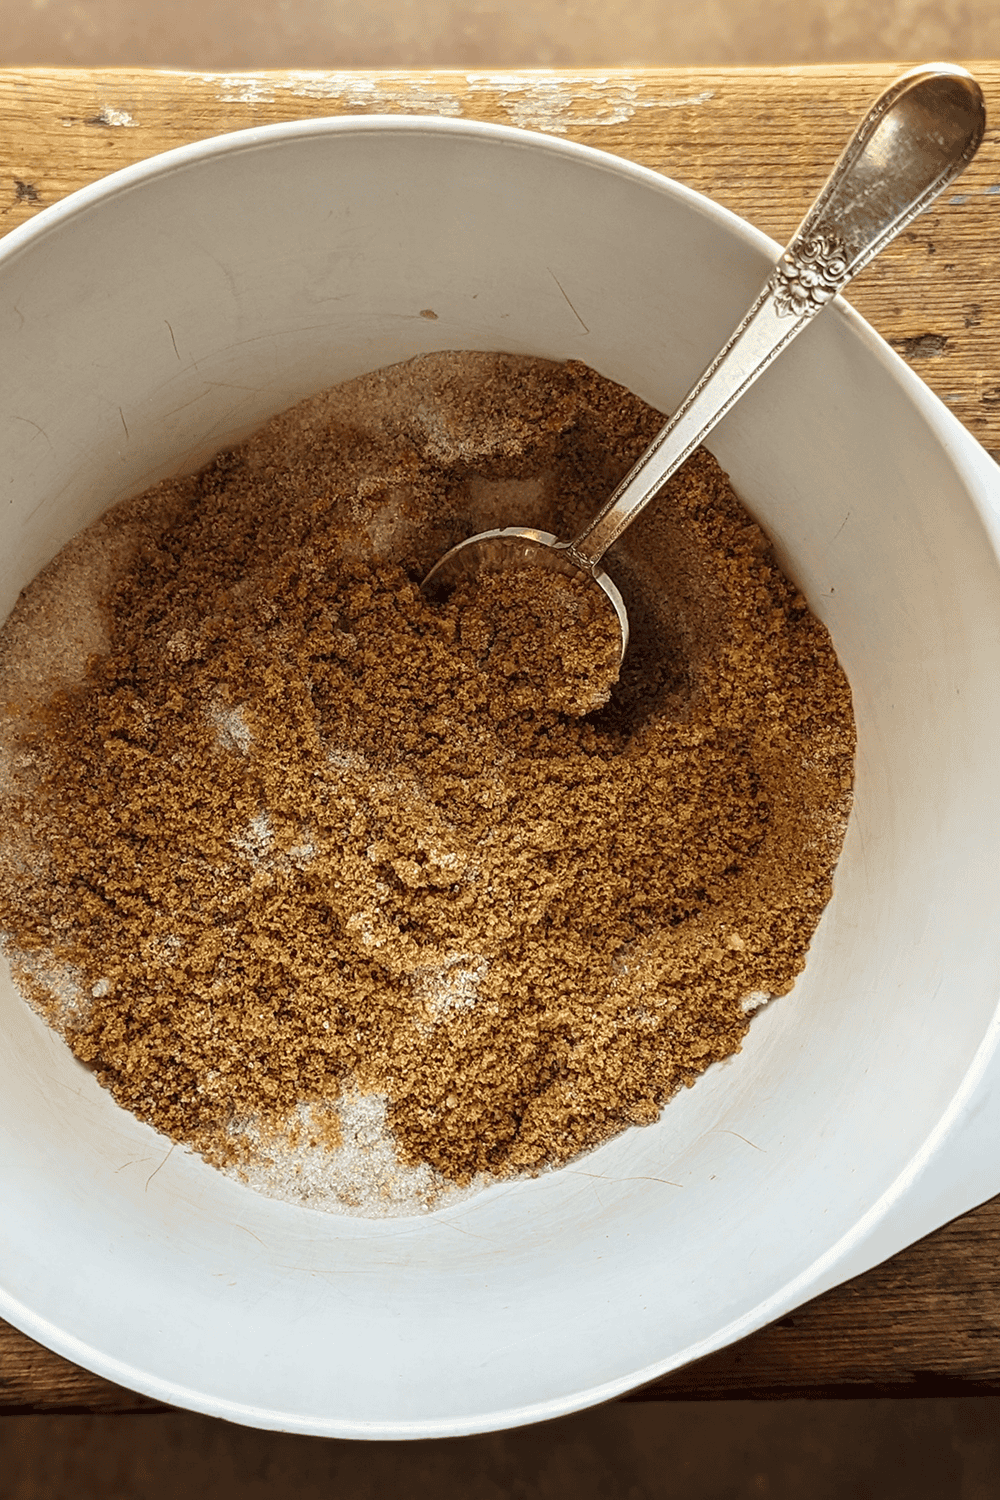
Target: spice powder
326	879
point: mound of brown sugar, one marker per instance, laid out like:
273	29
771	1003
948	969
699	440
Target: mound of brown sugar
554	640
298	834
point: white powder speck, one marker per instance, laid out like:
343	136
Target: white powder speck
256	838
119	118
68	1002
231	728
453	985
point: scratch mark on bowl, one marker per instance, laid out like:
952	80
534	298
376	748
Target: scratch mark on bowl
569	304
172	339
163	1163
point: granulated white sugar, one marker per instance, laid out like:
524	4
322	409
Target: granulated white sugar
362	1175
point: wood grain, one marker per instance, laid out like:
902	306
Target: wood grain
760	142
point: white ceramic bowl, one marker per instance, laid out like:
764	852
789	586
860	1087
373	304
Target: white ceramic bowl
166	312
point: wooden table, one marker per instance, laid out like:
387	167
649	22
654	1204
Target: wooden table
761	142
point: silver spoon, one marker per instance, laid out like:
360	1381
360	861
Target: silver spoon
916	139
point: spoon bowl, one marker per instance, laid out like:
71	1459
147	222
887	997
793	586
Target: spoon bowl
511	549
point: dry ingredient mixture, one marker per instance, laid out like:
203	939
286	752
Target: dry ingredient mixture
327	880
554	640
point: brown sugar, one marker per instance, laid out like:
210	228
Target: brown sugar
552	641
299	835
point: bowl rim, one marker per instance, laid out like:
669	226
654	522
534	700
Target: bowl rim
973	466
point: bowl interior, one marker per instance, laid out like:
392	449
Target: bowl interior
163	315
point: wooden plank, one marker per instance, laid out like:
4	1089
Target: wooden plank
926	1323
758	141
33	1379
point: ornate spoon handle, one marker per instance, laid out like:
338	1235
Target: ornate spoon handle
913	142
